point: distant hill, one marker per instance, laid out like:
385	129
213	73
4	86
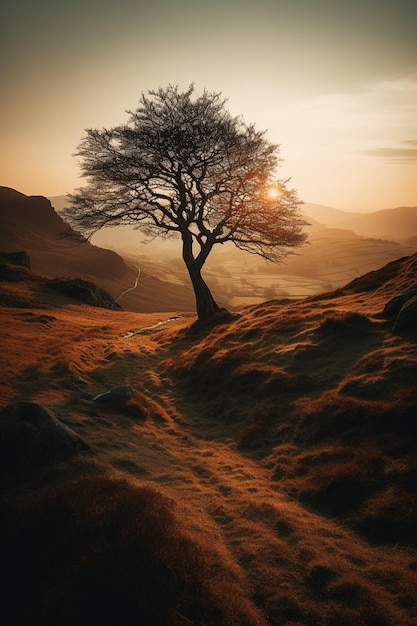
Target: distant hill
397	224
30	224
342	246
326	215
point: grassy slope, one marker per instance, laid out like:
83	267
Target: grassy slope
32	225
333	257
284	441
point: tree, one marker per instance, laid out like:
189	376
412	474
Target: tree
182	165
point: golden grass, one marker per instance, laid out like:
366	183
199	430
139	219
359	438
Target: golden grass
102	551
272	456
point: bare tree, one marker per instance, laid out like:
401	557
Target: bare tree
182	165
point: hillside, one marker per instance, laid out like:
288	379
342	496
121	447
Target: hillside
259	472
30	224
342	246
326	215
397	224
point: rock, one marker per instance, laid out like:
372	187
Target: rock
394	306
12	272
407	317
31	436
116	395
85	291
16	258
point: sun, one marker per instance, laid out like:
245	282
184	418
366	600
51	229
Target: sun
273	193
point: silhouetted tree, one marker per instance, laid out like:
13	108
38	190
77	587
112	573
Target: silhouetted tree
184	166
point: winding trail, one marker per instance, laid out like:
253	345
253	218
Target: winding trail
274	543
135	285
294	565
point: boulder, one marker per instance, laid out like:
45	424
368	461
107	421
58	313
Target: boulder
31	436
117	395
85	291
394	306
13	273
16	258
407	317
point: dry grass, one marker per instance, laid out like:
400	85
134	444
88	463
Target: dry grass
265	467
102	551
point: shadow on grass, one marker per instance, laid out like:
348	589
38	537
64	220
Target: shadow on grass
101	551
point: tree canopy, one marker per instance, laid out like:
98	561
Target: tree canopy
182	165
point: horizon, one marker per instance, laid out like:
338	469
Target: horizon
335	87
342	246
60	196
306	203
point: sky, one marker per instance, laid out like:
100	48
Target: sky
333	82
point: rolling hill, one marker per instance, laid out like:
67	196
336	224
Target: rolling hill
262	471
326	215
342	246
396	224
31	224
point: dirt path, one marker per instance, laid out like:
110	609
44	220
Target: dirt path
278	546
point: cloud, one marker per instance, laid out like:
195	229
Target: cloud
372	121
386	104
407	153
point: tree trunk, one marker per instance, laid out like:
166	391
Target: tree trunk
205	303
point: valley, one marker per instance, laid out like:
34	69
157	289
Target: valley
283	442
257	470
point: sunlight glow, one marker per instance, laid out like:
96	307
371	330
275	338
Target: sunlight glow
273	192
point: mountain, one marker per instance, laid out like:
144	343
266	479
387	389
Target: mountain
30	224
392	224
396	224
342	246
259	472
58	202
326	215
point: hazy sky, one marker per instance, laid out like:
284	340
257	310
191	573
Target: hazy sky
334	82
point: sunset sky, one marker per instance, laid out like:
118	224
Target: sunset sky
334	82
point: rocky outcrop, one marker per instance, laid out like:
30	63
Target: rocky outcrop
403	308
407	317
85	291
119	394
16	258
9	272
394	306
31	437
